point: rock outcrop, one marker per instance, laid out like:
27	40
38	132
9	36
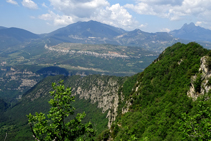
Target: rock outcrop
205	75
102	91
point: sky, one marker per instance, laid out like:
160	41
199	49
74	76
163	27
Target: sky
44	16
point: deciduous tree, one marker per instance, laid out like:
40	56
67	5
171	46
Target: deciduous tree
54	127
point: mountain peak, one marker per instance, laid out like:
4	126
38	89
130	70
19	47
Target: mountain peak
192	32
90	21
86	29
190	25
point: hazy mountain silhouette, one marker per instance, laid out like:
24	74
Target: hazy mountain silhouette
93	32
1	27
192	32
17	34
88	29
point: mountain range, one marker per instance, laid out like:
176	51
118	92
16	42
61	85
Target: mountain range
93	32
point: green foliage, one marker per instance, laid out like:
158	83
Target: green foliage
209	81
197	125
104	136
3	107
161	96
55	127
128	85
208	62
197	83
114	130
126	90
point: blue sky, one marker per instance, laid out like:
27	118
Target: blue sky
148	15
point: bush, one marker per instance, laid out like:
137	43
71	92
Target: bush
197	83
208	63
104	135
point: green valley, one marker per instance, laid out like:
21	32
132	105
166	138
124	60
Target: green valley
22	69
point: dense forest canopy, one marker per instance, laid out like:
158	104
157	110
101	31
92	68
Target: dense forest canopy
159	96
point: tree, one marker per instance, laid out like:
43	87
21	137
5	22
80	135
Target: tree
54	127
197	126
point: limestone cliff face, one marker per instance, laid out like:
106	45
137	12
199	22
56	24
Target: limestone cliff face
205	75
104	91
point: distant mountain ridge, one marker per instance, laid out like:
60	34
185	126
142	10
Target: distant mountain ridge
192	32
18	34
88	29
13	38
1	27
93	32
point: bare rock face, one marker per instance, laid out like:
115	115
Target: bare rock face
112	113
205	75
105	93
205	70
192	93
126	108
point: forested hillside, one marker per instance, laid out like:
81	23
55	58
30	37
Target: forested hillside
155	104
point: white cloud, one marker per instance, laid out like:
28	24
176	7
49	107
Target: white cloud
143	25
198	23
29	4
12	2
173	9
116	15
203	24
165	30
49	16
56	19
141	8
43	5
85	10
79	8
162	2
32	17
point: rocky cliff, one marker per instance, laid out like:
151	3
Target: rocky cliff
103	90
204	76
